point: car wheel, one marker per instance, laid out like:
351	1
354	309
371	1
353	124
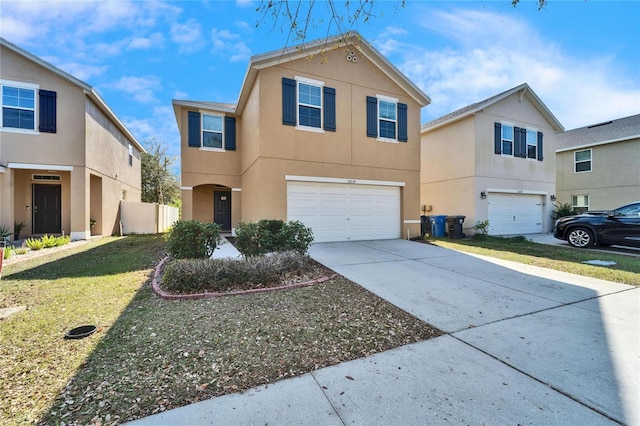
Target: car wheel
580	237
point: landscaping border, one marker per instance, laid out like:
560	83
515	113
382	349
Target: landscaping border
155	284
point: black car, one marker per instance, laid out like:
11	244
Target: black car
613	227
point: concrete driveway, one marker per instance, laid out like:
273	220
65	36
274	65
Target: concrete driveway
524	345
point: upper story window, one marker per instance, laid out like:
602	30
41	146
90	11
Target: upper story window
582	160
212	131
130	155
308	105
386	119
18	106
507	139
532	144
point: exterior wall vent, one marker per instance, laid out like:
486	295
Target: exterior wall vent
55	178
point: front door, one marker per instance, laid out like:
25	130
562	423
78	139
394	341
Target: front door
46	209
222	209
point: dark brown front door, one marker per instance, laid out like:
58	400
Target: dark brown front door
46	209
222	209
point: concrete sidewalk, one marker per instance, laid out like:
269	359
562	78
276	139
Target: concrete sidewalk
524	345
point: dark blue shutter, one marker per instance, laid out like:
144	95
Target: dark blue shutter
330	109
372	117
289	102
230	133
497	139
517	145
47	111
523	143
403	135
540	156
193	124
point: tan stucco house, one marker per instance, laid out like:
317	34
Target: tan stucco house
66	160
598	166
327	133
493	160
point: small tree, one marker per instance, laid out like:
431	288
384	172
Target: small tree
159	184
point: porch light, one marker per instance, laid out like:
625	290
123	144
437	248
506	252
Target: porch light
553	197
483	195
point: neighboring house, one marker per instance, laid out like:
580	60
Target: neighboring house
598	166
493	160
327	133
66	160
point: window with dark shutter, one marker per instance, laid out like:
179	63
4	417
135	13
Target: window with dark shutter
403	135
540	156
517	145
193	124
289	102
329	109
497	139
229	133
372	117
47	111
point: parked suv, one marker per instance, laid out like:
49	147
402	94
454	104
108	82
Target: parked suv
613	227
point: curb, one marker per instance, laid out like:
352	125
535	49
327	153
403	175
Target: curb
168	296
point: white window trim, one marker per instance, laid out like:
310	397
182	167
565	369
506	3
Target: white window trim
36	106
390	100
581	195
309	82
202	130
583	161
535	144
130	156
513	134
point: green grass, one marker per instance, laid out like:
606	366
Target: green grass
153	354
566	259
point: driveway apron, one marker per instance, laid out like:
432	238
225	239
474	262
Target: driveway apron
576	337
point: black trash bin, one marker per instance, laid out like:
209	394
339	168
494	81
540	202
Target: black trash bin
425	225
454	226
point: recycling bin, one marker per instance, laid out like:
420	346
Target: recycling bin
438	223
454	226
425	225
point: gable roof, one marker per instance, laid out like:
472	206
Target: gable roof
88	90
353	39
611	131
468	110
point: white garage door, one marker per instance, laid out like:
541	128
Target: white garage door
514	214
345	212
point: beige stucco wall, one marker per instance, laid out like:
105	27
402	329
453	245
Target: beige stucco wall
85	140
613	181
267	150
459	162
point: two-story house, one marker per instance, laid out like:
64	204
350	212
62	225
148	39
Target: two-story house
327	133
66	160
598	166
493	160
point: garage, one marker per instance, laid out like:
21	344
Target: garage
345	212
515	214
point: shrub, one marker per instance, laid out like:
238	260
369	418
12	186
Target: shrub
65	239
34	244
7	252
192	239
48	241
218	275
255	239
562	210
20	250
482	230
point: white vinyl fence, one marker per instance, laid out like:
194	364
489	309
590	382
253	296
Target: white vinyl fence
146	218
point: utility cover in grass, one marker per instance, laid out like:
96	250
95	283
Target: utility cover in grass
600	262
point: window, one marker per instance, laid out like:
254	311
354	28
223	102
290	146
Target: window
507	139
532	144
582	161
211	131
130	155
386	119
309	105
580	203
18	106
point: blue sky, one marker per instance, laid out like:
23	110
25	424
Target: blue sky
582	58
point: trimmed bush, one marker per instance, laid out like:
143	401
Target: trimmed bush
266	236
192	239
49	241
34	244
219	275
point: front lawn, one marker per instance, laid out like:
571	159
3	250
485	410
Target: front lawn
567	259
152	354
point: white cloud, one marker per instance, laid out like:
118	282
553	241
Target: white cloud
484	59
143	43
161	125
230	44
141	89
188	35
